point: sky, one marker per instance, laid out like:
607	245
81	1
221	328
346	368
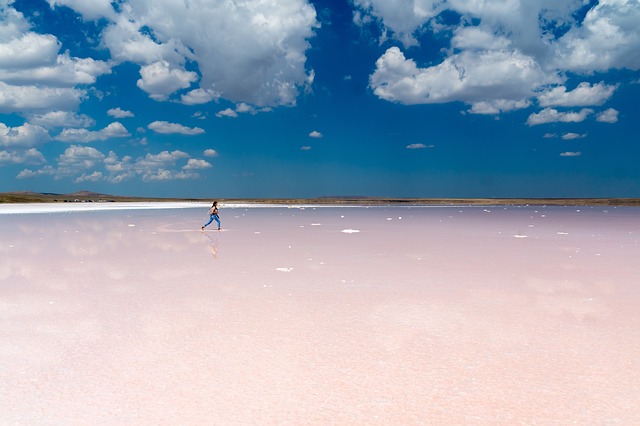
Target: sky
311	98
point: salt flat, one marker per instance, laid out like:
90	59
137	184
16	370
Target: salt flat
385	315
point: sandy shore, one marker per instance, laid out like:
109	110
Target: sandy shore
382	315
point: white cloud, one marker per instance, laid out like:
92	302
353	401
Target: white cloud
195	164
608	116
119	113
170	128
244	108
161	79
478	38
128	42
503	52
159	161
508	76
570	136
418	146
29	98
54	119
90	9
28	50
315	134
76	159
551	115
210	153
496	106
305	148
113	130
227	113
402	17
549	135
199	96
163	174
66	71
248	51
152	167
571	154
25	136
119	170
91	177
583	95
607	38
28	173
30	156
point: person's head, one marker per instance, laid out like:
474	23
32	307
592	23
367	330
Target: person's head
215	203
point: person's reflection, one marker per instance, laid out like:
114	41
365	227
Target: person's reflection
213	245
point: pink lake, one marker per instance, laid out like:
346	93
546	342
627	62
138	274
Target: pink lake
327	315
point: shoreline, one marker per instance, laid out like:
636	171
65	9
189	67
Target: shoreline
89	197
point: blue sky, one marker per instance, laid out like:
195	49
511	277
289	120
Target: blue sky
298	98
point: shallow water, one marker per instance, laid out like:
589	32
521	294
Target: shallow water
383	315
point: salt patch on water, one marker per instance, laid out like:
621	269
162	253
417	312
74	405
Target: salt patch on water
350	231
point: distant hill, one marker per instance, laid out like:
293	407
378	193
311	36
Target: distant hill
78	196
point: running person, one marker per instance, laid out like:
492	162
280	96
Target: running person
213	215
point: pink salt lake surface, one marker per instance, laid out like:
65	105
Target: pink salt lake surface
386	315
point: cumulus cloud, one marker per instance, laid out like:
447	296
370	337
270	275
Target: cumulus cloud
66	71
55	119
227	113
15	98
171	128
508	76
403	18
28	173
570	136
496	106
34	76
503	54
25	136
113	130
199	96
119	113
90	9
30	156
571	154
159	167
195	164
305	148
583	95
249	51
28	50
242	108
77	159
160	79
608	116
89	177
607	38
161	160
418	146
83	163
210	153
551	115
315	134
